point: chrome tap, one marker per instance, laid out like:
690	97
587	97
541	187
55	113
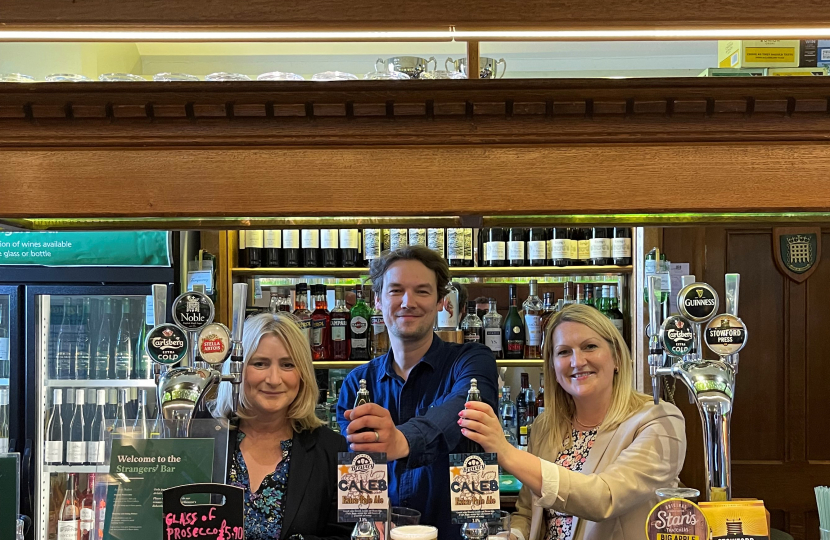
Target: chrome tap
710	383
240	295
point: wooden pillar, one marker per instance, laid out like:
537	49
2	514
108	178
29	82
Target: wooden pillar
473	67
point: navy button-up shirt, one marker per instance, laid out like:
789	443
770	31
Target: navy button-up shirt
425	409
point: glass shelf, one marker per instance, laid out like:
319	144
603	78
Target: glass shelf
101	383
349	364
83	469
4	382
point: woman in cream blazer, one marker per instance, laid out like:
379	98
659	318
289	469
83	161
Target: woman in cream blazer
635	446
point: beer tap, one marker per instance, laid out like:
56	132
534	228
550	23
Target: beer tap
656	360
711	383
240	295
732	289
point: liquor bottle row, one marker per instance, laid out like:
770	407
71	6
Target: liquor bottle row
341	334
519	334
76	513
517	416
491	247
99	339
76	431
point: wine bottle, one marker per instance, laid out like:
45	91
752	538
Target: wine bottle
83	344
372	244
242	253
455	246
559	246
349	247
87	509
253	247
54	431
64	346
96	432
514	329
101	362
76	443
516	246
495	247
143	364
537	244
600	246
124	344
469	446
68	516
311	247
272	240
291	248
329	248
119	426
621	246
140	427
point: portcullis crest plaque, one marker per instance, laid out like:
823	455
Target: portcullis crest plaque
797	251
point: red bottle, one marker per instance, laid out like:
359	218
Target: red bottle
87	504
320	325
340	319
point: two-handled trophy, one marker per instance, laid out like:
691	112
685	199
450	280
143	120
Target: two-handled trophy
676	350
202	346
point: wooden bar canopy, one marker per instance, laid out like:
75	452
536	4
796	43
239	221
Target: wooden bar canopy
385	15
437	148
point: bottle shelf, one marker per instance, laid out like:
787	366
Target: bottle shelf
101	383
83	469
470	272
349	364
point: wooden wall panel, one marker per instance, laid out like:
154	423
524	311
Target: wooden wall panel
413	180
430	14
817	322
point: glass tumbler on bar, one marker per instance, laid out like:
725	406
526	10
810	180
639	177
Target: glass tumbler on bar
400	516
499	529
690	494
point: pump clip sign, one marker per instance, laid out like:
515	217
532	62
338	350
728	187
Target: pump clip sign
474	488
362	487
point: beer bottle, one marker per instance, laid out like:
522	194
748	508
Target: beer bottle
362	398
469	446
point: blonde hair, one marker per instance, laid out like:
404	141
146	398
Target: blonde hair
284	327
556	421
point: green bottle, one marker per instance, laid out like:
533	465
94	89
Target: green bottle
360	329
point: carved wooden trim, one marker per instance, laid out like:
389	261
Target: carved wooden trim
415	112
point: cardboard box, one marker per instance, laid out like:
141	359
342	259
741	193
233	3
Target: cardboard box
759	53
798	72
737	519
733	72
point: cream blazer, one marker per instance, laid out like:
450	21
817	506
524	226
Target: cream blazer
611	497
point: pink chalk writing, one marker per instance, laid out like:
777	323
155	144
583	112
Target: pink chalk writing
184	525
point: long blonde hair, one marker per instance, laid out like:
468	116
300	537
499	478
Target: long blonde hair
285	328
556	421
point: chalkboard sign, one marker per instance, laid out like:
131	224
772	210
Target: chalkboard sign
204	521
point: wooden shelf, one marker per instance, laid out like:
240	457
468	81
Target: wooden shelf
348	364
471	272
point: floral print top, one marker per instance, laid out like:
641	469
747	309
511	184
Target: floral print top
559	526
264	507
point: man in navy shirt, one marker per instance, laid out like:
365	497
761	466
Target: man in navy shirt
417	388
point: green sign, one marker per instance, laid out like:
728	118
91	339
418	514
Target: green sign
123	248
142	469
9	494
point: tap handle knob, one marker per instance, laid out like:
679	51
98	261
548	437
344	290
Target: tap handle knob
240	295
654	305
687	280
159	304
733	289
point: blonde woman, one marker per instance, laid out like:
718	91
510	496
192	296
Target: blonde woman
599	450
281	455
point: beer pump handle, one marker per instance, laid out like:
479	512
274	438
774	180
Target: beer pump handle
687	280
733	289
159	304
655	352
240	297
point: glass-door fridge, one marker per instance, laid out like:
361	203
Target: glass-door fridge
87	375
10	377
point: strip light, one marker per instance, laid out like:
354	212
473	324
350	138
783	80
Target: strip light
438	35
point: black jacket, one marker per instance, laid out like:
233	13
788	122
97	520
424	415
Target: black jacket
311	499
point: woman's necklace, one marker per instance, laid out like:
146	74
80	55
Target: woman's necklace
586	425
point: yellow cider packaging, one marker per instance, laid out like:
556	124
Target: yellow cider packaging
761	53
